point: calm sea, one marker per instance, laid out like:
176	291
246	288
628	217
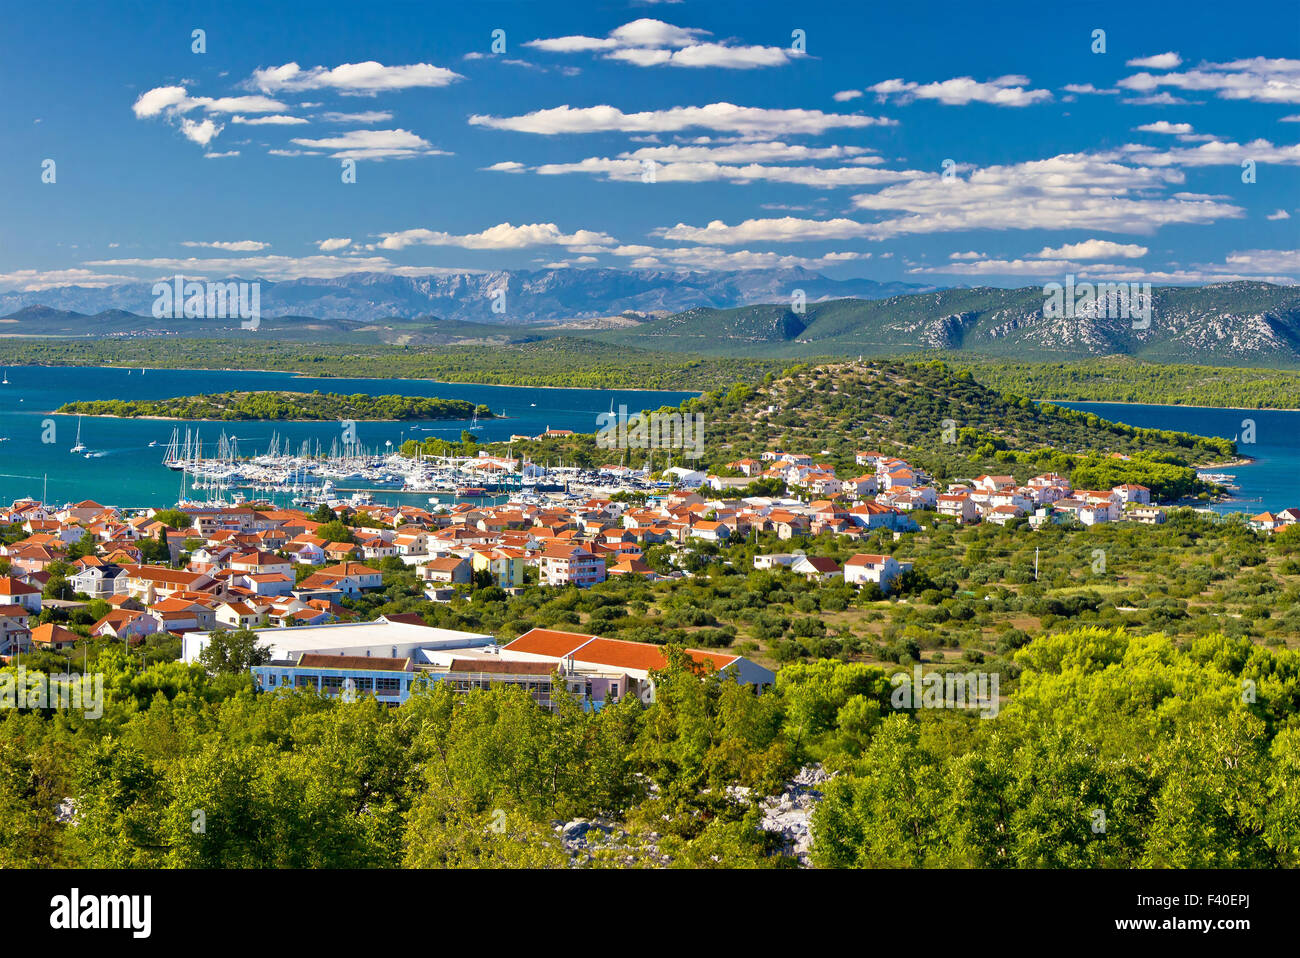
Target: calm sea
130	473
1271	482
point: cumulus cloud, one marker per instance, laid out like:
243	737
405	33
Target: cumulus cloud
201	132
500	237
1070	191
653	43
1161	61
1164	126
1260	79
723	117
172	100
367	78
1093	249
1213	153
330	245
1003	91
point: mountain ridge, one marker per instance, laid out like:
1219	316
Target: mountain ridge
531	296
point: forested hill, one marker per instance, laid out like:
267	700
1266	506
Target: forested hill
280	405
1243	323
939	419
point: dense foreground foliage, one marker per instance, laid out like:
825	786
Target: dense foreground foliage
1186	754
280	405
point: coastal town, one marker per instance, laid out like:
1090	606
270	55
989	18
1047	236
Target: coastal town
256	566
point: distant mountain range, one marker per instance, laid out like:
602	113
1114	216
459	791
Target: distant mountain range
1244	323
531	296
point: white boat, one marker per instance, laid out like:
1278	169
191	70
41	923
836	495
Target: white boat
80	446
6	379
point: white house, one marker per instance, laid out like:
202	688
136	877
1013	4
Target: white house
880	569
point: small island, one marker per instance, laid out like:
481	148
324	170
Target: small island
278	405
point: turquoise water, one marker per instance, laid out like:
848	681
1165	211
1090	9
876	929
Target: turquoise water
130	473
1271	482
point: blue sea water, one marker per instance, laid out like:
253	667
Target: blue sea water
130	473
1271	482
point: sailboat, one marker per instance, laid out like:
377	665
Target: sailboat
79	447
6	379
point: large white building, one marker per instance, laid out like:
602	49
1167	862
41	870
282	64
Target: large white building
380	638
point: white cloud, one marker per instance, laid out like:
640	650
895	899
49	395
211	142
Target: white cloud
1163	98
705	257
237	246
1087	89
201	132
369	77
1002	91
1278	215
1260	79
1161	61
173	103
499	237
652	43
33	280
366	116
725	117
647	32
373	145
748	152
631	171
843	96
174	100
1213	153
264	267
1271	266
275	119
1164	126
330	245
1069	191
783	229
1093	249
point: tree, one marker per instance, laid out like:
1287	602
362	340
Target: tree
233	652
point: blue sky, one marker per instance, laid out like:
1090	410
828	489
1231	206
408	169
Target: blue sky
680	135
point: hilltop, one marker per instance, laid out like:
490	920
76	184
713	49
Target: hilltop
942	420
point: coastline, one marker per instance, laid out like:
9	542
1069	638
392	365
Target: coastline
301	374
1170	405
104	415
